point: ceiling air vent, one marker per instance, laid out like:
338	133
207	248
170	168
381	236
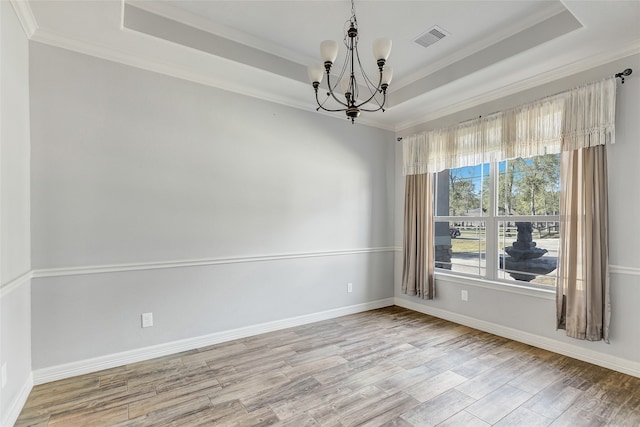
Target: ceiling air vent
431	36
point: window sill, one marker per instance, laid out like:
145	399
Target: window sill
496	286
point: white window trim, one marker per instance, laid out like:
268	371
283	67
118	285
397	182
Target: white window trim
503	286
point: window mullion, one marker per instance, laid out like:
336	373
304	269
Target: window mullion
491	256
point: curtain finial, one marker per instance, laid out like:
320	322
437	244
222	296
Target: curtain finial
627	72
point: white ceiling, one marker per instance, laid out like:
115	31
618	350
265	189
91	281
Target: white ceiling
261	48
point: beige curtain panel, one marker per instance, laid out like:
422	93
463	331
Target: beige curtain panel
577	123
582	295
418	249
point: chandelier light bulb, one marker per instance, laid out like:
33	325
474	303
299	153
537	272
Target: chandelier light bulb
387	75
344	84
381	49
315	73
329	51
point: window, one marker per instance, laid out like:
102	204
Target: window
499	220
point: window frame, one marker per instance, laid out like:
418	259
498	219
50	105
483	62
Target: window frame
491	220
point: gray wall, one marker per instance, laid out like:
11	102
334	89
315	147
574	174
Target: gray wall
133	167
535	314
15	257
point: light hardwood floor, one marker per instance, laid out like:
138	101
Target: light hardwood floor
391	367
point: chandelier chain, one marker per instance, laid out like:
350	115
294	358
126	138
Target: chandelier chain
353	12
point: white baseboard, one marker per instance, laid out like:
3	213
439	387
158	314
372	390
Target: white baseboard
597	358
45	375
15	407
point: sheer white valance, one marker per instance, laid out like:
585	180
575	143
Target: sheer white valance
580	117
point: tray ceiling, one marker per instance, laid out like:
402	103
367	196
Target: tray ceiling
262	48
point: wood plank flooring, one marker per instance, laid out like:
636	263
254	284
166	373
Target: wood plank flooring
387	367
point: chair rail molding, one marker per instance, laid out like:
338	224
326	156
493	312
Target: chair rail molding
15	283
621	269
117	268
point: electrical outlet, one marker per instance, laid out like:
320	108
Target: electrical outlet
147	320
349	287
464	295
4	375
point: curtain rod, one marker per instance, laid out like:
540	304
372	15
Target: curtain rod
621	75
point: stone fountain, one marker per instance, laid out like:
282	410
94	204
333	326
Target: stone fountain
524	257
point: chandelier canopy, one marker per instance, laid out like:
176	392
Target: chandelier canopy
351	101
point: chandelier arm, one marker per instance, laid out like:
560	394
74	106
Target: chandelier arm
373	95
322	107
380	106
366	110
320	104
373	89
333	94
368	83
375	99
342	71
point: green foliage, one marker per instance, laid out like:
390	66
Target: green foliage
462	195
535	189
525	187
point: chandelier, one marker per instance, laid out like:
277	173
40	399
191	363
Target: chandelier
351	101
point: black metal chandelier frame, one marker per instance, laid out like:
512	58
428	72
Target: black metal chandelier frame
347	77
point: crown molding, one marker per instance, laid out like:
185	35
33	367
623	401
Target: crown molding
127	58
25	16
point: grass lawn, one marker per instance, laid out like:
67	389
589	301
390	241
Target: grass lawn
469	245
461	245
